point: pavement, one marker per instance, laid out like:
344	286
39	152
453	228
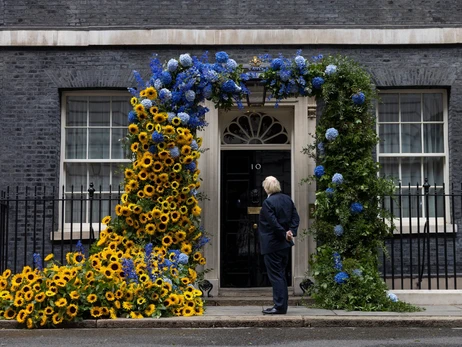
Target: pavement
449	316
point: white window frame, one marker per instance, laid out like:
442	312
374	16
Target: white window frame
84	228
404	224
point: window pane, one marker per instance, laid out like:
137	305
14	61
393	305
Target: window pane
99	174
411	171
390	168
120	109
75	209
76	176
98	144
433	107
389	138
388	108
76	111
99	111
410	203
118	151
76	143
433	138
117	176
436	202
434	170
410	107
411	138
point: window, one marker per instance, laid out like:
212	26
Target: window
93	124
412	126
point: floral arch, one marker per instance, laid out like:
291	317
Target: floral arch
144	263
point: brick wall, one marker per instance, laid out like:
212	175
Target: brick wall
255	14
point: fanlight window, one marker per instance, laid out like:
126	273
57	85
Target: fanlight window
255	128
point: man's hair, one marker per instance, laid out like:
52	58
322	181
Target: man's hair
271	185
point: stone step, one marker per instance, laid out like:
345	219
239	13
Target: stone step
253	301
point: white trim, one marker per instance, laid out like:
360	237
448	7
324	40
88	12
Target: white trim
334	36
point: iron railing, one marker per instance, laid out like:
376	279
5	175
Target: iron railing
44	220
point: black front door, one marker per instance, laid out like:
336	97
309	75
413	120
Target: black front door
242	194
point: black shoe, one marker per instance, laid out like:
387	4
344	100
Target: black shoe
273	310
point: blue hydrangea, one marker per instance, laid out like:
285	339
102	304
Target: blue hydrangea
337	261
321	148
207	91
331	134
330	192
157	84
300	61
284	75
153	149
330	69
357	272
165	94
221	57
190	95
319	171
337	178
194	146
211	75
132	117
184	117
358	98
183	258
172	65
128	268
230	87
174	152
191	166
157	137
277	63
166	78
356	208
37	261
146	103
186	60
341	277
392	297
317	82
231	64
170	116
338	230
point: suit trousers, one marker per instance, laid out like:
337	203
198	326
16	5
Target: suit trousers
276	263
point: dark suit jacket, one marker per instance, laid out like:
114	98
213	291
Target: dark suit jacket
277	215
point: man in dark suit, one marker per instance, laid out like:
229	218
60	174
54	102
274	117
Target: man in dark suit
279	222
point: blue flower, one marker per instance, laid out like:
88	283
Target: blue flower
331	134
300	61
132	117
337	261
79	247
229	87
172	65
157	137
174	152
277	63
157	84
341	277
357	272
337	178
338	230
190	95
392	297
231	64
358	98
356	208
284	75
194	146
191	166
166	78
203	240
321	148
207	91
129	270
146	103
319	171
183	258
153	149
317	82
330	69
148	251
221	57
165	94
184	117
37	261
186	60
170	116
330	192
211	75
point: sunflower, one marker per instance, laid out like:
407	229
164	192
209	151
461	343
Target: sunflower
96	311
133	129
169	130
187	160
106	220
18	302
163	154
139	108
48	310
132	185
147	161
22	315
202	261
176	121
186	248
169	161
199	311
157	166
143	175
29	295
134	147
151	93
143	137
188	311
153	110
61	302
127	305
173	272
196	211
74	295
186	150
17	279
91	298
72	310
160	189
160	117
57	319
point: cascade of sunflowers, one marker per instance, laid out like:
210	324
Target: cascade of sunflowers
143	263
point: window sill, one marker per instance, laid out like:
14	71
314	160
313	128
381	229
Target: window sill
76	232
417	226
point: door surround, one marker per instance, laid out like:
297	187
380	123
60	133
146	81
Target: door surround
302	123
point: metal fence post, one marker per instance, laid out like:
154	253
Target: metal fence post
426	187
91	193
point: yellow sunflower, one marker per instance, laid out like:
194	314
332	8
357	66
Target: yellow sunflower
133	129
96	311
57	319
91	298
72	310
